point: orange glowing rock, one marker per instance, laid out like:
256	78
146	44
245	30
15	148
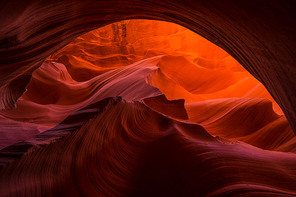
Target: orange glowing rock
185	66
151	108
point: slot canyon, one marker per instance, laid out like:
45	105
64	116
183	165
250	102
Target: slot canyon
147	98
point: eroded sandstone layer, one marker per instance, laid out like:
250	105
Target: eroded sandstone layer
144	108
259	34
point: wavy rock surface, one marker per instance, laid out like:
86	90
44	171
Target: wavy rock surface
159	112
260	35
129	150
53	95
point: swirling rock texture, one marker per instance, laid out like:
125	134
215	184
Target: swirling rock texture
147	108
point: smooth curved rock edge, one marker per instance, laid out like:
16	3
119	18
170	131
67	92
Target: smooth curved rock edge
259	34
72	123
130	150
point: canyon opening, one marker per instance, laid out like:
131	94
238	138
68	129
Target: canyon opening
145	108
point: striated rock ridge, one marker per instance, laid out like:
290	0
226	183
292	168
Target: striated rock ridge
130	150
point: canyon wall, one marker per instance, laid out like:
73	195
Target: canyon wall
145	107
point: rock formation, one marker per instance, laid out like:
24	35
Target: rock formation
144	107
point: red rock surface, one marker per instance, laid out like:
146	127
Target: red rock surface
189	120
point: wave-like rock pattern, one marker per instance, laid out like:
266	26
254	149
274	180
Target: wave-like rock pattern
238	107
119	114
260	35
73	122
52	95
130	150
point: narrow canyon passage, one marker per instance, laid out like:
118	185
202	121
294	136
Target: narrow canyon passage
145	108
